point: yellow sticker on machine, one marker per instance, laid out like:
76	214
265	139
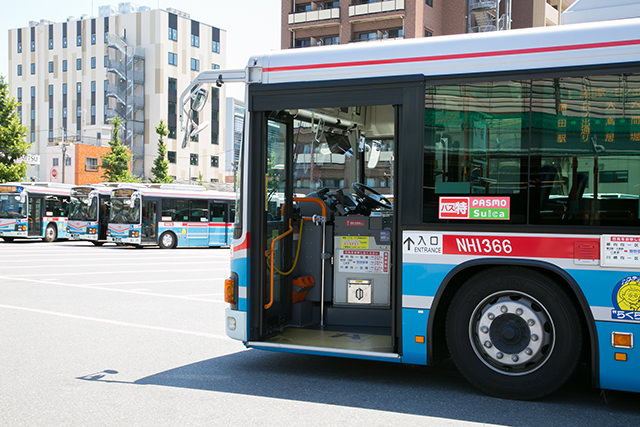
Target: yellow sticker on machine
354	242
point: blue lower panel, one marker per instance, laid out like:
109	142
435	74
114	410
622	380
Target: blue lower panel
615	375
414	324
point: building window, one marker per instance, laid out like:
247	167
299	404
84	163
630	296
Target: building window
173	27
64	41
93	62
428	33
106	29
64	88
106	61
19	69
331	5
371	35
215	40
305	7
330	40
173	59
171	156
195	64
428	2
19	32
195	34
393	33
51	66
64	65
79	33
67	159
91	164
50	90
214	161
55	161
79	64
33	68
215	67
193	159
50	44
303	43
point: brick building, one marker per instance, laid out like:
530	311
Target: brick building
308	23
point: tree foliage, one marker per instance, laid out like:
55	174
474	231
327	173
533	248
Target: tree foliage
13	142
160	168
116	162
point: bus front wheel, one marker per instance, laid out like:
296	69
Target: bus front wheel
50	234
8	239
168	240
513	333
97	243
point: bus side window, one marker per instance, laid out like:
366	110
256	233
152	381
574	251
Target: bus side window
218	212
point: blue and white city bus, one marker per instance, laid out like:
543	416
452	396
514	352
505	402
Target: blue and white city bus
512	244
170	216
89	213
33	210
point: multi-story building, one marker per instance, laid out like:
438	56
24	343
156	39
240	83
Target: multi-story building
73	77
311	23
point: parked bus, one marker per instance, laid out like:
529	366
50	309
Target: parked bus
33	210
170	216
513	241
89	213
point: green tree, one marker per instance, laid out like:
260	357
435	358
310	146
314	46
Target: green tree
13	142
160	169
116	162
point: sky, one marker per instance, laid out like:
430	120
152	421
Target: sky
253	26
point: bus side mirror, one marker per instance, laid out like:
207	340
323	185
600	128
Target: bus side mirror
199	99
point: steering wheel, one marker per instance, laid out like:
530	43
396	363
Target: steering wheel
370	197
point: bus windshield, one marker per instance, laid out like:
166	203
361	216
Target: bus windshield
12	207
122	212
83	208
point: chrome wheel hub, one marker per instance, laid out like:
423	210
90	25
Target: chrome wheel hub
512	333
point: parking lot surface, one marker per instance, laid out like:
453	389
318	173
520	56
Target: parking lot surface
123	336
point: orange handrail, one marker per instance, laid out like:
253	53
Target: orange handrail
273	244
308	199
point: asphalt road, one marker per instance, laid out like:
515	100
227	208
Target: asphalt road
123	336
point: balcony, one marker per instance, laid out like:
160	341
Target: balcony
377	7
314	15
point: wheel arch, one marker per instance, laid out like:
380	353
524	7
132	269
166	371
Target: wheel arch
436	342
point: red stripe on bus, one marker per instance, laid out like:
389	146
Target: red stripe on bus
522	246
455	56
244	244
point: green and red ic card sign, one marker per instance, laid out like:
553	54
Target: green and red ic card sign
476	207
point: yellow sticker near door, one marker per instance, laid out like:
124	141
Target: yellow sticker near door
354	242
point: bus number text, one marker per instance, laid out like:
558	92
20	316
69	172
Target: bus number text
483	246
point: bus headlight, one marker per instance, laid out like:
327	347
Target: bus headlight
134	233
20	227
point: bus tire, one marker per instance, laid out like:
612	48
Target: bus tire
8	239
97	243
513	333
50	234
168	240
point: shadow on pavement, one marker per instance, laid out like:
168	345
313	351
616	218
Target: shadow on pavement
435	392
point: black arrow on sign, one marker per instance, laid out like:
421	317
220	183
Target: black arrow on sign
409	242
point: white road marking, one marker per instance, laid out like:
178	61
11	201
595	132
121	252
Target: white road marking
125	291
116	322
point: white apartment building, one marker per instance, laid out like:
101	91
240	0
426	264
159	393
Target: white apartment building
72	77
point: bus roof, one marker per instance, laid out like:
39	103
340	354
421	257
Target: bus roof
54	188
176	191
607	42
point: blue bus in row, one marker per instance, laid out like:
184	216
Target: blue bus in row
89	213
34	210
170	216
